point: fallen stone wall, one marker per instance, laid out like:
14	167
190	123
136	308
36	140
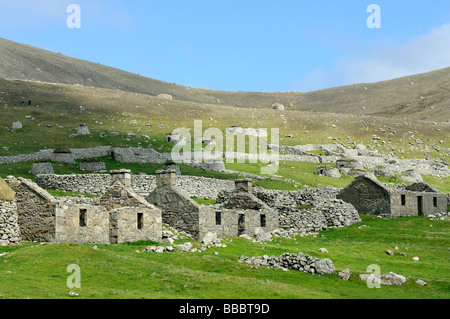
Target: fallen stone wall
300	262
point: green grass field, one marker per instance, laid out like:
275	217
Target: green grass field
40	271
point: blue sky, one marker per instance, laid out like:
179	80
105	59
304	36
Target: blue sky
247	45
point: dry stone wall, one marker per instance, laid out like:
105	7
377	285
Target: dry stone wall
300	262
9	228
97	184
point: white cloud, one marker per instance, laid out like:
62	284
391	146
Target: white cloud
425	53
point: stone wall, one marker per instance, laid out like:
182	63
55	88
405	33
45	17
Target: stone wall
97	184
303	220
300	262
368	159
178	209
9	228
42	168
139	155
92	166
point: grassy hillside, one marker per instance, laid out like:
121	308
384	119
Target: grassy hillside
55	114
424	96
39	271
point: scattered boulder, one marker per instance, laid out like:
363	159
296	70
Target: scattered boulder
389	279
421	282
184	247
390	252
210	239
345	274
17	125
323	250
83	130
261	235
278	106
324	266
159	249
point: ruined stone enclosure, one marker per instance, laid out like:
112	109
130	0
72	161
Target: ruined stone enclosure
370	197
241	213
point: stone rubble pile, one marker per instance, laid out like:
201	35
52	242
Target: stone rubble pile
300	262
440	216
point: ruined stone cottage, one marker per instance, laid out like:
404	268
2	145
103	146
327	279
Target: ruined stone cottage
371	197
118	216
240	214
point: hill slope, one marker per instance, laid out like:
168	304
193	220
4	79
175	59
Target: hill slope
423	96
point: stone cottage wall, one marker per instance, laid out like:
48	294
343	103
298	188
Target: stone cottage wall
124	225
367	196
9	228
36	210
68	228
411	208
178	210
229	222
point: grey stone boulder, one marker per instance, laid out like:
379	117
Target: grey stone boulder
83	130
421	282
184	247
324	266
389	279
210	239
261	235
345	274
278	106
17	125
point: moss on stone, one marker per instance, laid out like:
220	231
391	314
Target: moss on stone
6	193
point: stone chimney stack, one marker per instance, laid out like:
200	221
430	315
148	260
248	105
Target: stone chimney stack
121	175
165	178
243	185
